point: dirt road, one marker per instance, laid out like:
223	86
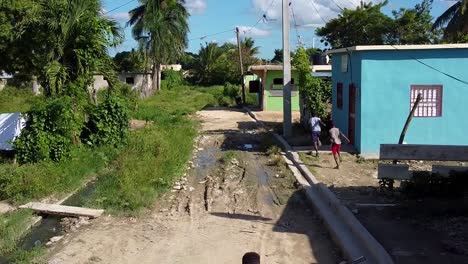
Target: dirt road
234	199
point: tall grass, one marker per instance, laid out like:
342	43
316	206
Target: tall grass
14	100
156	155
34	181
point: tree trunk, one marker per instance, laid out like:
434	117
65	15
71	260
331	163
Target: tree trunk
35	85
155	80
156	77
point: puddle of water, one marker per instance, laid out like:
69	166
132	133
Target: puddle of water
263	184
205	161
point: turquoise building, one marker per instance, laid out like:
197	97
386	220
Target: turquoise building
375	87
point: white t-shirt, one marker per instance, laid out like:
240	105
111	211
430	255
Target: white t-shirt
335	136
315	124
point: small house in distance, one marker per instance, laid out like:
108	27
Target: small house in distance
375	87
271	82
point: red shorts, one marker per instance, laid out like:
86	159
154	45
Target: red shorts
336	148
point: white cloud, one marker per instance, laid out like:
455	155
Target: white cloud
120	16
305	11
253	32
195	7
231	40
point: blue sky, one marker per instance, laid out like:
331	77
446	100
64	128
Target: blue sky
214	16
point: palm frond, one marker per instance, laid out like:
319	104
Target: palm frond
445	18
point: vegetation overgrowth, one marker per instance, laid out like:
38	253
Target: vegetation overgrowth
156	155
14	100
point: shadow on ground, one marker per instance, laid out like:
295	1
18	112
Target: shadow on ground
298	217
429	230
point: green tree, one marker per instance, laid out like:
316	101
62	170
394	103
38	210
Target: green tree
278	57
414	26
249	52
454	22
366	25
129	61
15	55
165	22
208	59
311	88
68	42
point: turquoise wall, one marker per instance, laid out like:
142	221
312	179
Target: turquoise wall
275	103
384	90
352	76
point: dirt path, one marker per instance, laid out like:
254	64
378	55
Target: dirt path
233	200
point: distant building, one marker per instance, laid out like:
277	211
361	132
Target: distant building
374	88
4	79
136	80
174	67
271	83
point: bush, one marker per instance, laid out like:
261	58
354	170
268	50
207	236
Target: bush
172	79
52	127
107	123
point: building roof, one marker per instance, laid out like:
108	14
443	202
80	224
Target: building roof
399	47
272	67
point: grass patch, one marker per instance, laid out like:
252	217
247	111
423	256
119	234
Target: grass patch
227	156
14	100
19	184
156	155
12	226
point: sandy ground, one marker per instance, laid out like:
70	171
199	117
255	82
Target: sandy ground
232	201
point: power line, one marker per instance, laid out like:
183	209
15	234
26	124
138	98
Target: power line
433	68
316	9
264	16
295	24
214	34
338	5
112	10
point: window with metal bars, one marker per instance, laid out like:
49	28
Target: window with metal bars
431	101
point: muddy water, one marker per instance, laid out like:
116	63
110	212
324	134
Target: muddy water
205	161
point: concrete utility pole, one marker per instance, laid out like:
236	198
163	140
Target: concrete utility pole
287	119
241	65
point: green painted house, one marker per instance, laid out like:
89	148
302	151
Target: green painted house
271	80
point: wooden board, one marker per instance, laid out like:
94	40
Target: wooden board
445	170
63	210
423	152
394	171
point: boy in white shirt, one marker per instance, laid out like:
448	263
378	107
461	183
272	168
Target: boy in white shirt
315	122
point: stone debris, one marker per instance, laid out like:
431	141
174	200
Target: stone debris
71	224
235	162
5	207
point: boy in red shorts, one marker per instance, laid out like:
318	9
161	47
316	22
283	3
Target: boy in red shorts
335	134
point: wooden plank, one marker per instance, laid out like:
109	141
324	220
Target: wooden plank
445	170
394	171
63	210
423	152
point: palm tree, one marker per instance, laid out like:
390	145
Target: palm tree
207	58
455	21
70	41
249	48
165	24
249	51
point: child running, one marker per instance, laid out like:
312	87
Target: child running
335	134
315	128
